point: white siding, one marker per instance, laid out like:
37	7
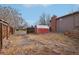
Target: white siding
42	26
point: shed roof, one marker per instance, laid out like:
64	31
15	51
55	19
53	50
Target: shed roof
77	12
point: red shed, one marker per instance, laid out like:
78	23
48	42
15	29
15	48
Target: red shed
41	29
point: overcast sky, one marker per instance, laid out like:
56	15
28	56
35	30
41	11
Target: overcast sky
32	12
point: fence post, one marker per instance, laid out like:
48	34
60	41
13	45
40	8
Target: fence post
0	35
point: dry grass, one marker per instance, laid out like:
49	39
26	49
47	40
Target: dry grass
51	43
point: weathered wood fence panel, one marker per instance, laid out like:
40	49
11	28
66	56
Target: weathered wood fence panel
5	31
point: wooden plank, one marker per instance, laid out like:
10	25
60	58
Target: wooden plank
0	36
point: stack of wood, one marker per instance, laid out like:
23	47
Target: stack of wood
73	34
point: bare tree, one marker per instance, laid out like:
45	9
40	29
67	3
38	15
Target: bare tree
44	19
48	18
11	16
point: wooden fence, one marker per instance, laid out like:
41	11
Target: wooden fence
5	31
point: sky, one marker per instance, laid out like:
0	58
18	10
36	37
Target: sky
32	12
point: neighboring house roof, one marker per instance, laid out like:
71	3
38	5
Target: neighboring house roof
77	12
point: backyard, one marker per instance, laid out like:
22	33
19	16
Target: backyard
40	44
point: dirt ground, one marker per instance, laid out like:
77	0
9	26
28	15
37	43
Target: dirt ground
40	44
